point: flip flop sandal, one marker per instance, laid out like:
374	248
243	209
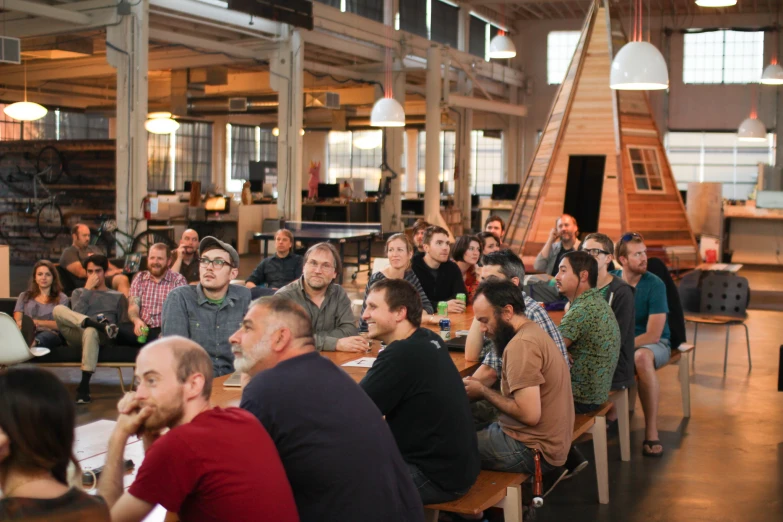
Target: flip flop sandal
652	444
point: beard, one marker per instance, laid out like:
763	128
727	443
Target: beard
165	416
244	361
504	332
312	283
158	271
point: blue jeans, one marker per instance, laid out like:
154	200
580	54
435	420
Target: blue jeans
430	492
499	452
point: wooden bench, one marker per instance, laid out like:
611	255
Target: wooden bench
504	490
680	358
118	365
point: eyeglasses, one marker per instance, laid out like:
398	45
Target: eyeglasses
217	263
595	252
631	235
314	265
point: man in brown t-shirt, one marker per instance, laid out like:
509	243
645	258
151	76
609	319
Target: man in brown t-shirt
536	405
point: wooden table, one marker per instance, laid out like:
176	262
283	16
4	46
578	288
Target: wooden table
720	267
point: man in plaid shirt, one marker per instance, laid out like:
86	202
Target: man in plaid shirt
150	289
503	265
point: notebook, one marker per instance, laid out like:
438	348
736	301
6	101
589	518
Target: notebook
456	344
235	381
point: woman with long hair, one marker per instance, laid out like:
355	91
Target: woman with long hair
399	251
489	242
466	252
33	311
37	419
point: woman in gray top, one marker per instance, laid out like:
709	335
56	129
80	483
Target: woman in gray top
33	311
399	251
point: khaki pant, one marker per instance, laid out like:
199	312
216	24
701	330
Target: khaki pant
69	324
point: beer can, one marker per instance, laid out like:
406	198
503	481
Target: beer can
443	308
463	298
445	329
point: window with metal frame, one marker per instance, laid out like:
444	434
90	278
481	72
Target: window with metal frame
487	162
355	154
646	169
723	57
447	160
560	48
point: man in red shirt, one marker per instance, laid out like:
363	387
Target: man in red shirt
213	464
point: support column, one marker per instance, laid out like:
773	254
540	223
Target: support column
127	51
412	160
432	128
464	127
511	146
392	205
219	152
286	78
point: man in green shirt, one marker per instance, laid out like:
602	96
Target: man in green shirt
591	333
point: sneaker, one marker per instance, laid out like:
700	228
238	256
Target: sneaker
552	478
575	463
83	397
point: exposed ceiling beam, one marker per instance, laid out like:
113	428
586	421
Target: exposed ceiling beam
348	46
101	14
14	94
264	53
46	11
219	14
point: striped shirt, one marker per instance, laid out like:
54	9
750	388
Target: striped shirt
410	277
538	315
153	294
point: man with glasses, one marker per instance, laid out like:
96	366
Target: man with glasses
325	301
651	331
211	311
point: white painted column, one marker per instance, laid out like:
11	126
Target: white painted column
127	51
464	127
432	128
392	205
286	78
219	152
511	148
412	159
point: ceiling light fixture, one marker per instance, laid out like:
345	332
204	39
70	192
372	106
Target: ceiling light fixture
25	110
276	131
716	3
773	73
501	46
639	65
752	129
161	123
387	112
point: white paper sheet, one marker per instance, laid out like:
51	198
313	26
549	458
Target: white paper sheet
362	362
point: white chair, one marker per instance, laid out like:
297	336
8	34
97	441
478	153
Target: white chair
15	350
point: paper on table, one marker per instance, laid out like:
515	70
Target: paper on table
462	333
362	362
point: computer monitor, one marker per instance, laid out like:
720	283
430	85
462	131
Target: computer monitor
505	191
218	204
328	190
256	185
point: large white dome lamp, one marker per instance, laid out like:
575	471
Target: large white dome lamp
752	129
501	47
387	112
716	3
639	66
25	110
773	75
161	123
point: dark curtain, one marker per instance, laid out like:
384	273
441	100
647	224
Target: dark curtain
243	150
413	17
193	154
477	45
445	21
158	161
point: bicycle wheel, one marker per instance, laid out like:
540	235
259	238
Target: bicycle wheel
146	239
50	220
50	158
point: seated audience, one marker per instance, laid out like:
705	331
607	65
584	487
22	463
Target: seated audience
186	257
502	266
36	447
535	402
592	336
325	301
338	452
92	320
466	252
495	225
280	269
208	312
418	234
149	291
490	243
399	251
418	389
651	328
33	311
562	239
211	464
620	297
73	258
440	278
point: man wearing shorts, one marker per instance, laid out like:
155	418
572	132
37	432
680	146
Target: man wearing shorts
652	347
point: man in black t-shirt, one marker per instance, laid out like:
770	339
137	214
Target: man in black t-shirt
338	452
440	277
417	387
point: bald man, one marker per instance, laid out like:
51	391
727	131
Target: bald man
73	258
201	468
186	258
338	452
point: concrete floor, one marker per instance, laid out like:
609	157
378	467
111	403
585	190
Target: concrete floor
724	464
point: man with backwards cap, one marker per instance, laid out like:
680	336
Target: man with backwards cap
209	312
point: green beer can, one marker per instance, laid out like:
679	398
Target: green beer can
463	298
443	308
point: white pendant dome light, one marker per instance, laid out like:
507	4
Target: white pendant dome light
638	65
25	110
501	47
716	3
752	129
387	112
773	75
161	123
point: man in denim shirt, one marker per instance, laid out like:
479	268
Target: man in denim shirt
280	269
211	311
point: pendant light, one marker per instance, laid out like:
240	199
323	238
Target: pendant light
387	112
161	123
716	3
638	66
773	73
501	46
25	110
752	129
